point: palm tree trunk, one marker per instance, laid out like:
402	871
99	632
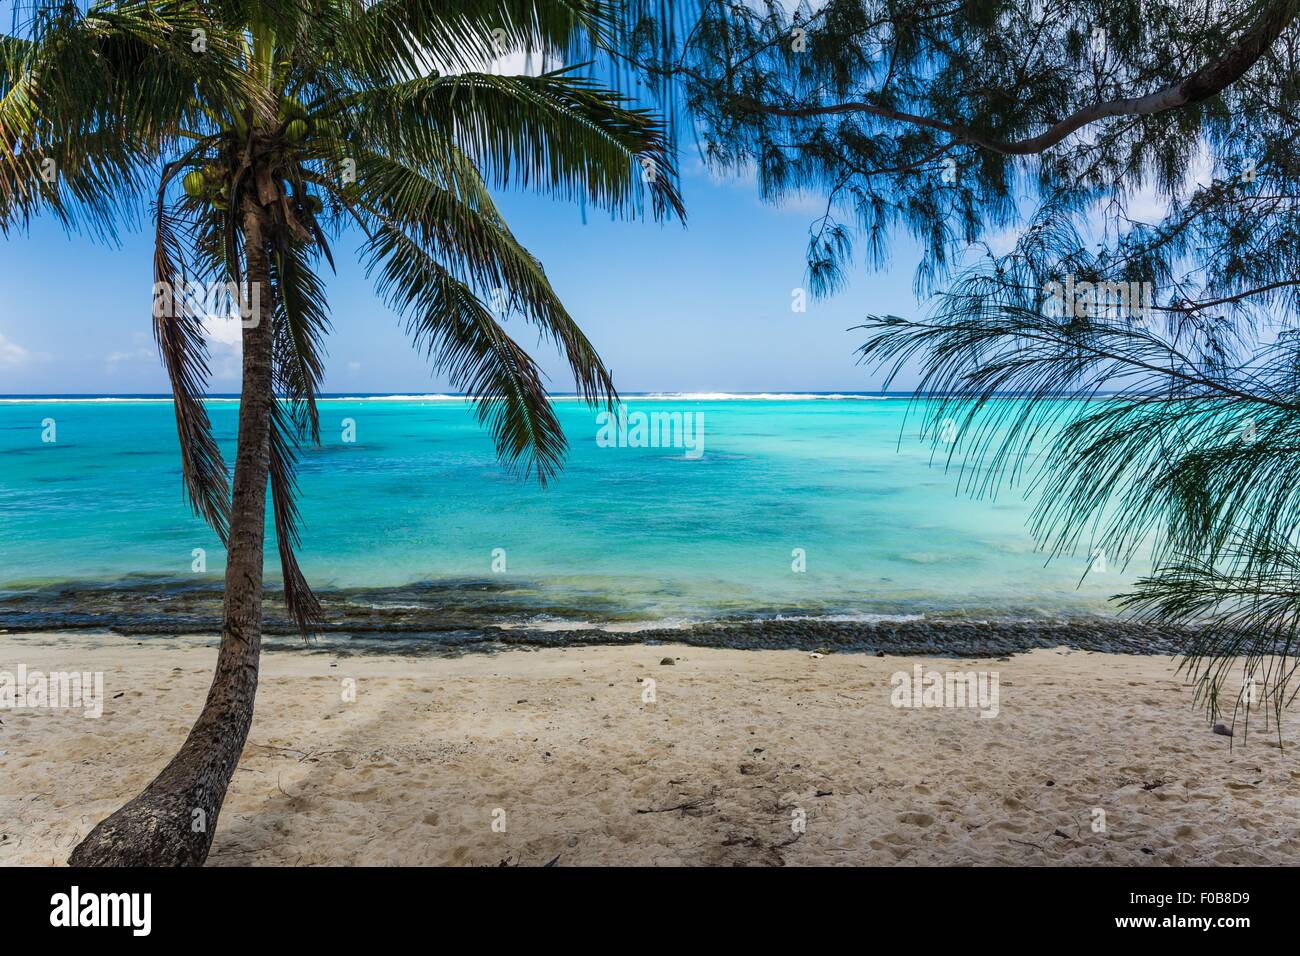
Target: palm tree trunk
172	822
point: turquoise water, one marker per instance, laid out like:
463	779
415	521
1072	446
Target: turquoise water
625	533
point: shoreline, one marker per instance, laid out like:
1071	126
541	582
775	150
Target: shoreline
733	746
907	636
479	614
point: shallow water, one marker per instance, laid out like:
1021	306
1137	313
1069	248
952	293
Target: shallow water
408	517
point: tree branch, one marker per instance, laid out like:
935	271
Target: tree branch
1194	88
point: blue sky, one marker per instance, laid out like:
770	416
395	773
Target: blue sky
706	307
701	308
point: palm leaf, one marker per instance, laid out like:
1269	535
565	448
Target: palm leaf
460	333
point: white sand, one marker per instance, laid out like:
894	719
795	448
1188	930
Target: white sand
562	742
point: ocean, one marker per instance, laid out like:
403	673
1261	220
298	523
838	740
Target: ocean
805	507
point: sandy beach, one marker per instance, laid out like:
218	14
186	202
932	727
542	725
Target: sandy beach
529	757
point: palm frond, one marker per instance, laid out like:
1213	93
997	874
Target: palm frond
183	347
94	98
475	241
558	133
465	341
403	38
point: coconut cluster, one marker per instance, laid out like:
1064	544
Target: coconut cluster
211	182
207	183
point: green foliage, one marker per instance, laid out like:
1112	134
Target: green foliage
325	115
1023	147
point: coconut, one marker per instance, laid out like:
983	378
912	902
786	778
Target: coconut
195	184
296	131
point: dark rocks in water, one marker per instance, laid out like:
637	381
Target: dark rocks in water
947	638
459	617
666	661
1223	730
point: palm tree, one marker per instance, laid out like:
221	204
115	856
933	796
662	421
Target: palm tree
259	131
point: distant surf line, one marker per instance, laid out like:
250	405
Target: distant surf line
453	397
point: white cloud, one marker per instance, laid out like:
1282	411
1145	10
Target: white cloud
805	203
12	354
509	63
223	331
1149	206
1003	240
520	63
225	343
1146	205
801	202
142	350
